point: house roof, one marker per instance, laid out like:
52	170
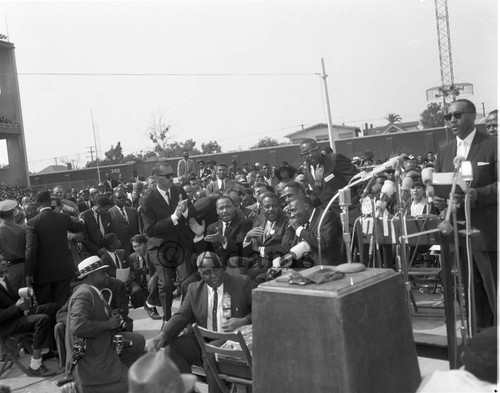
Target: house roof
54	168
319	125
398	126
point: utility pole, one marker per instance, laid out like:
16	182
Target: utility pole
95	145
327	100
91	154
55	160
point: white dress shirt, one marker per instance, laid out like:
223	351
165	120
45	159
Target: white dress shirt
463	145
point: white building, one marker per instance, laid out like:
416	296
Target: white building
319	132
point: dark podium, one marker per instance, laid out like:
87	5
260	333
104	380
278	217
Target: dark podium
348	335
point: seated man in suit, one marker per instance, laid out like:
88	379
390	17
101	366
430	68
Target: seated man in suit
101	368
202	306
17	316
117	258
304	221
97	223
270	237
224	237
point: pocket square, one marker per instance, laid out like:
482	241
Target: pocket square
481	163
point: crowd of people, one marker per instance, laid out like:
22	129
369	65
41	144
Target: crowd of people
207	231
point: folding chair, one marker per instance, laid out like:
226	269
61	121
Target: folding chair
11	346
231	365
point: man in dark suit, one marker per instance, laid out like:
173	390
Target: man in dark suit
326	174
481	150
97	223
117	258
201	306
85	203
224	237
146	274
49	265
124	220
165	213
305	222
90	318
270	237
219	184
13	243
203	171
16	316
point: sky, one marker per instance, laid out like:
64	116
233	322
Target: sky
231	71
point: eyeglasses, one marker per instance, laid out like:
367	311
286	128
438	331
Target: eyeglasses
306	153
168	175
491	126
456	115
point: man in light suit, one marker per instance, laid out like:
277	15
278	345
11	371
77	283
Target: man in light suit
185	167
305	221
89	318
219	184
201	307
481	150
124	220
165	213
49	265
97	223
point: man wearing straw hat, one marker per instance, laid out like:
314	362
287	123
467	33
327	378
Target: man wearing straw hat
101	368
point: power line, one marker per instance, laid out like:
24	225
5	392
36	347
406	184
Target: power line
158	74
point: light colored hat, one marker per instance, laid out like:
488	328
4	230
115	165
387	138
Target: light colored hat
7	205
93	190
90	265
155	372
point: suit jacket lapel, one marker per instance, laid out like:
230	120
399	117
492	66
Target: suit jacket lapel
474	148
9	291
204	304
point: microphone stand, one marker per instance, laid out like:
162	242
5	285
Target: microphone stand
402	241
359	180
470	279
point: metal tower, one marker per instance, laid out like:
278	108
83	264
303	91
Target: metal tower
448	90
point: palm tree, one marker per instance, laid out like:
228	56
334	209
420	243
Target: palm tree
393	118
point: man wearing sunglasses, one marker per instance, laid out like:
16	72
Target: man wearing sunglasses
481	150
166	211
325	174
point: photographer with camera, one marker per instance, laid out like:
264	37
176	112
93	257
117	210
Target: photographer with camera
17	315
101	368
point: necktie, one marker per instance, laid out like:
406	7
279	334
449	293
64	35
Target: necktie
226	228
117	261
141	263
267	230
99	222
214	311
105	304
122	210
167	194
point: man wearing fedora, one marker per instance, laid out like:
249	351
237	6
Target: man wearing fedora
165	212
203	305
101	368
